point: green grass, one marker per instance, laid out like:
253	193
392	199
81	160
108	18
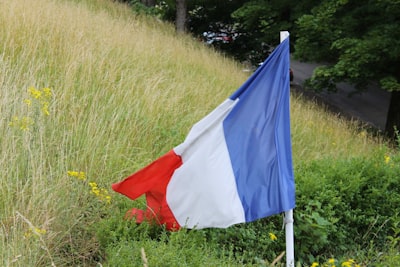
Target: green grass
125	89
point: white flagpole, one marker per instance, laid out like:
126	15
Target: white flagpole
284	35
288	219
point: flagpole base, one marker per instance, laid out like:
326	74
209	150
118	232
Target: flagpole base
289	235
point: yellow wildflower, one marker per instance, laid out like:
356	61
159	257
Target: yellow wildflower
23	123
387	159
331	261
47	92
314	264
100	193
28	102
45	108
37	231
35	92
95	190
79	175
72	173
349	263
28	234
272	236
14	121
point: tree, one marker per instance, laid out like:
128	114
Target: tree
169	10
262	20
206	15
360	42
181	20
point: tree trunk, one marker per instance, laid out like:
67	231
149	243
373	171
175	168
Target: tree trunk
181	10
393	116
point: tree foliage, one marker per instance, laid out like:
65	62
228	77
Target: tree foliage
260	21
359	41
257	23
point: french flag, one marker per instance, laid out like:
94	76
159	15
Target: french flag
234	166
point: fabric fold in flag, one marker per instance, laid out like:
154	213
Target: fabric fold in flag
234	166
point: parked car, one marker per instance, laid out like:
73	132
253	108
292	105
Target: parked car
222	37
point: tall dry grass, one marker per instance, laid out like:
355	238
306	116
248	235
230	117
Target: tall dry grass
125	89
318	133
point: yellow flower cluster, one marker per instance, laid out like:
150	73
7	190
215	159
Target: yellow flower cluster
28	102
36	231
23	123
332	263
387	159
100	193
350	263
79	175
38	94
42	97
272	236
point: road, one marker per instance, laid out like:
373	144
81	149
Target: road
370	107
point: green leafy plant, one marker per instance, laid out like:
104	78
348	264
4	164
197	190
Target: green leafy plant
346	203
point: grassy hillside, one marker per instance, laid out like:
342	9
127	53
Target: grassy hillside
90	93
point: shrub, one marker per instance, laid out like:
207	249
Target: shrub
125	243
251	243
343	206
346	204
